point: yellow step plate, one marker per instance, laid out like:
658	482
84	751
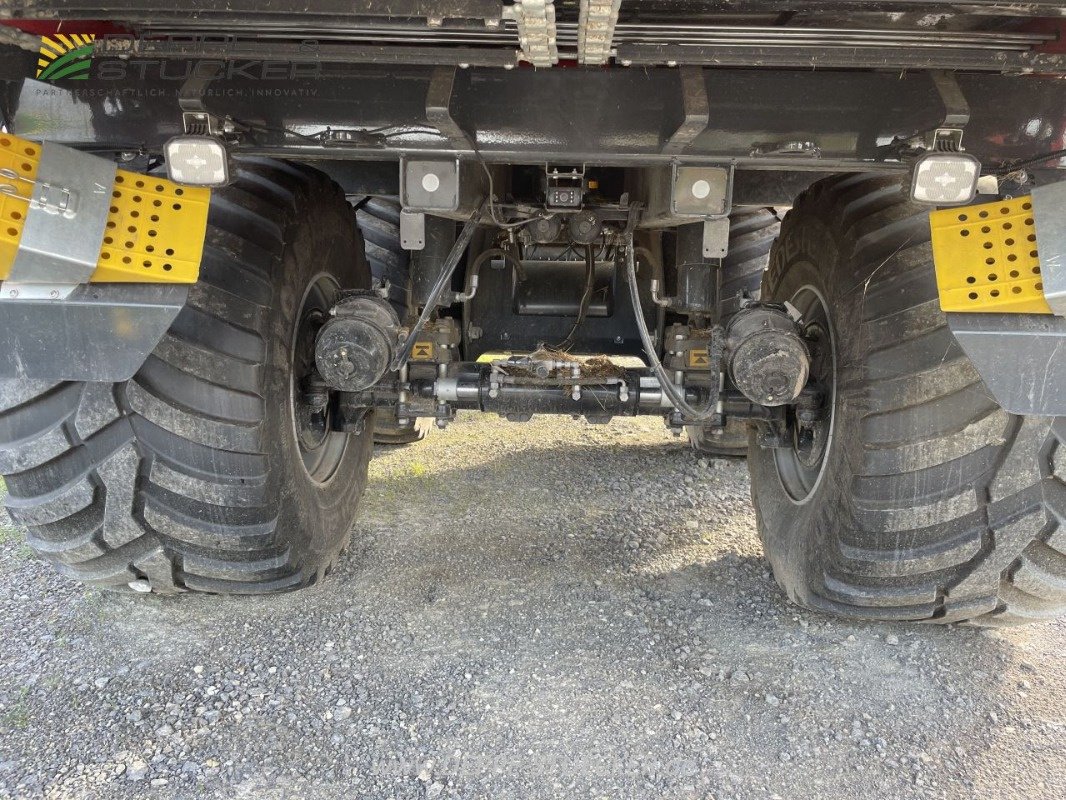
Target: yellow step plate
986	258
155	228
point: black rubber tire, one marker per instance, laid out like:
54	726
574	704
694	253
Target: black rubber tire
379	222
751	234
189	476
933	503
389	432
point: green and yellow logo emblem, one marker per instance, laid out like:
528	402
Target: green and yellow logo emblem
65	55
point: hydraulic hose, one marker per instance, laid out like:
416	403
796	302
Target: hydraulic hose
470	285
586	298
666	384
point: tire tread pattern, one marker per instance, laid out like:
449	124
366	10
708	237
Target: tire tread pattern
955	507
164	477
379	222
751	233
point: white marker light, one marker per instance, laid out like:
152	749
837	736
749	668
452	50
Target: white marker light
197	161
701	191
945	179
430	182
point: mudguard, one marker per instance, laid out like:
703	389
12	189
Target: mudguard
1001	274
95	262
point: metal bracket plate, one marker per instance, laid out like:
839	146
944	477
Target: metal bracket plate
102	332
696	110
716	238
1020	357
412	230
438	108
1048	204
956	109
64	229
429	184
700	191
10	290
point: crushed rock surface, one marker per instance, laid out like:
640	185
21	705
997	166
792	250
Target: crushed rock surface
549	610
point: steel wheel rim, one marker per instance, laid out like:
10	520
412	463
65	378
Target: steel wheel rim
321	448
801	466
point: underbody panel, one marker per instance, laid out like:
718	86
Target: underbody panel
835	85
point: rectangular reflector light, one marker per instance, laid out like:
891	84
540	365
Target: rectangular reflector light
197	161
945	179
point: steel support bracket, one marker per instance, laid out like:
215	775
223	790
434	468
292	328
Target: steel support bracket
948	137
438	108
196	120
716	237
956	109
695	110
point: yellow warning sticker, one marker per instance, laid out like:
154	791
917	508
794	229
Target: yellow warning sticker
699	359
422	351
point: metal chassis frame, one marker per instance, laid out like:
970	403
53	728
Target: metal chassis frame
695	115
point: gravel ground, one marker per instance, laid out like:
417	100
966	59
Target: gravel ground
549	610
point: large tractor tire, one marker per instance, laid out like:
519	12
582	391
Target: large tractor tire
207	471
379	222
917	497
751	233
